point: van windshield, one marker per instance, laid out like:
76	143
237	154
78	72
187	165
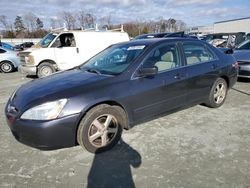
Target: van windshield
113	60
44	43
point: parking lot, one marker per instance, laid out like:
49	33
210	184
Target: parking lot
196	147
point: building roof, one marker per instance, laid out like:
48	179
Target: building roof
232	20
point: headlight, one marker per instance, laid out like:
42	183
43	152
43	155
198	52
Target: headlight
46	111
30	60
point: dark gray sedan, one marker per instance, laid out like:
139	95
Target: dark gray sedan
123	85
242	54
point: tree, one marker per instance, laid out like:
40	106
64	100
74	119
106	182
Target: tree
19	25
81	19
70	19
89	20
55	22
172	24
39	24
106	21
30	21
3	22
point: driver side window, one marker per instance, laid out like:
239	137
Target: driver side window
164	58
65	40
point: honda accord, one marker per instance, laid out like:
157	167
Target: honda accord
123	85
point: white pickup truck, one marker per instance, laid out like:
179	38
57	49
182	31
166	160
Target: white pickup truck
65	50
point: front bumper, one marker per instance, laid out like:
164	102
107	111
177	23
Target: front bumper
244	70
28	70
45	135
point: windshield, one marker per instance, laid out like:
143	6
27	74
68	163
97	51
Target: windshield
244	45
114	60
44	43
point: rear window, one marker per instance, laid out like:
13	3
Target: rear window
197	53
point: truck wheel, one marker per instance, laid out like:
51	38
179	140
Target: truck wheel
6	67
101	128
217	94
45	69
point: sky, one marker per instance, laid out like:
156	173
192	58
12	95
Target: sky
192	12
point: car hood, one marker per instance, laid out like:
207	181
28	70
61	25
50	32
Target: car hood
242	55
57	86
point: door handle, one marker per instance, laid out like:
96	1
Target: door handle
215	66
77	50
179	76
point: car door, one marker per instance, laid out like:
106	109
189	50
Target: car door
202	69
66	51
164	91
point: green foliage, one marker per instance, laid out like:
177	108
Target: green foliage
39	24
19	25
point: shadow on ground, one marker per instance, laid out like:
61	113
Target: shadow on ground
113	168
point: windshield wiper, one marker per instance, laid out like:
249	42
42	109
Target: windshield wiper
93	71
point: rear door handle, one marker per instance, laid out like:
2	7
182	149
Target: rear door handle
179	76
215	66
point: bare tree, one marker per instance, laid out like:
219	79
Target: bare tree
56	22
90	20
180	25
81	19
106	21
30	21
69	19
3	21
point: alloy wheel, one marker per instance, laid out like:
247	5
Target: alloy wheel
219	93
103	130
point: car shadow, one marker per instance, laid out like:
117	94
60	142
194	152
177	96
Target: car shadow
113	168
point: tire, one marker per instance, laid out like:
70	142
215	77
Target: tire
218	93
6	67
94	135
45	69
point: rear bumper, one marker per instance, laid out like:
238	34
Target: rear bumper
244	71
28	70
45	135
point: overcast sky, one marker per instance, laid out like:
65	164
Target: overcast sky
192	12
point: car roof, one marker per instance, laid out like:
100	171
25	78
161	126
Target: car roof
159	40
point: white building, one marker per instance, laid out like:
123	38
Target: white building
201	30
233	26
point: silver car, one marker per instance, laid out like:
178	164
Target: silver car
242	54
9	60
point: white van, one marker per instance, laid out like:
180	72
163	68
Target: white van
65	50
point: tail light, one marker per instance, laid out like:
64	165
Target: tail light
236	64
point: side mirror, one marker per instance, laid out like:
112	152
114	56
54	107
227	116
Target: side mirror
145	71
229	51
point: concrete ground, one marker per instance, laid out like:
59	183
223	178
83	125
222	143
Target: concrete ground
196	147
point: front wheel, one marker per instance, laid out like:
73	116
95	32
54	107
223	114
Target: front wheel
45	69
218	93
101	128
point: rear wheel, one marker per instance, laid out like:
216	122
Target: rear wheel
101	128
6	66
218	93
45	69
